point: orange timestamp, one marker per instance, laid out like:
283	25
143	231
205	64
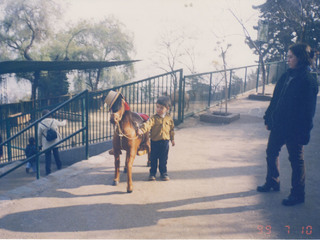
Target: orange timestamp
267	229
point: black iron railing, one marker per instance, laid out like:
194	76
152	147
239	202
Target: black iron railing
14	144
189	94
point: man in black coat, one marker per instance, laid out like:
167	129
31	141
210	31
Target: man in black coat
289	118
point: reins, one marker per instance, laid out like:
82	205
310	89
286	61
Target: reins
121	134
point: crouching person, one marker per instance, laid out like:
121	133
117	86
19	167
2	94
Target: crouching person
47	139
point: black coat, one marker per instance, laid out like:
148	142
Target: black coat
293	105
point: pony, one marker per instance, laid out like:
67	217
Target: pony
175	98
125	136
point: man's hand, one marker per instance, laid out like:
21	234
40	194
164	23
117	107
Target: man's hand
173	143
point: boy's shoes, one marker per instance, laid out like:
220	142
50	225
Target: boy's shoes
164	177
152	178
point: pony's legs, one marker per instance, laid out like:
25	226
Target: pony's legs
116	169
129	162
149	151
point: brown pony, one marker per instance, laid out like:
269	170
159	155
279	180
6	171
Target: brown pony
175	98
126	138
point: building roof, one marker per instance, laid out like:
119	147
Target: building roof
34	66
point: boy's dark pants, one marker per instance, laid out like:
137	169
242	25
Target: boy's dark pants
56	158
159	150
276	141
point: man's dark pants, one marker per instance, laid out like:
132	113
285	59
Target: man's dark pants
56	158
275	143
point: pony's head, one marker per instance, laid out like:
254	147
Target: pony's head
117	110
117	106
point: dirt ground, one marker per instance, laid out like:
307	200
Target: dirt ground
214	171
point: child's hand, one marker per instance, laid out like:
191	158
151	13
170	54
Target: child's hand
140	132
173	143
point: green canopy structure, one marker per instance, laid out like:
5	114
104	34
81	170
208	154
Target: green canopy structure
35	66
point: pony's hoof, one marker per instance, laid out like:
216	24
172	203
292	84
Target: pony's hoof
129	190
115	183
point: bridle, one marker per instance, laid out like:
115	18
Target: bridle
120	132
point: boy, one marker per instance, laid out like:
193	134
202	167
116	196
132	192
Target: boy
30	151
161	127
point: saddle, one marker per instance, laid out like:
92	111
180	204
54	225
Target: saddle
138	119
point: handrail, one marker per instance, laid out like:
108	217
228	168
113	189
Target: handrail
229	69
143	80
41	152
141	96
43	117
85	128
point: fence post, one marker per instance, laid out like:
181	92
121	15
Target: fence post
258	73
180	97
83	119
209	100
9	143
245	80
87	124
183	99
37	147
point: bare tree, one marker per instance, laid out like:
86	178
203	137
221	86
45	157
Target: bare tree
257	48
223	52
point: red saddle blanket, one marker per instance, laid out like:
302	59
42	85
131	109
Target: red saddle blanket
145	117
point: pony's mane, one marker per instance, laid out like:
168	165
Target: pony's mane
117	104
116	107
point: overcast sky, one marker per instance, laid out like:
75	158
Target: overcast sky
204	21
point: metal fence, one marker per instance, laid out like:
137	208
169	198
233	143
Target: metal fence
141	96
189	94
15	134
12	142
206	89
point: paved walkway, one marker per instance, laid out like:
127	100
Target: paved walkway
214	172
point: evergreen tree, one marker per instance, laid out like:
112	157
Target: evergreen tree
290	21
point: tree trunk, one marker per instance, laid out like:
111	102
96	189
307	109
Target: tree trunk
226	82
97	79
34	88
263	75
